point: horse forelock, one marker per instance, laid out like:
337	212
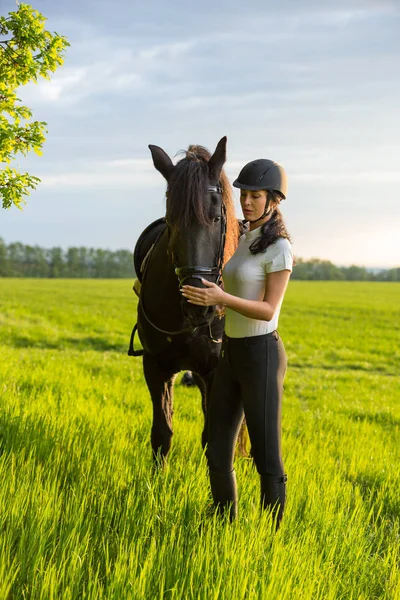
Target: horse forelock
187	188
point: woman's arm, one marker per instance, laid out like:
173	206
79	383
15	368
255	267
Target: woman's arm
262	310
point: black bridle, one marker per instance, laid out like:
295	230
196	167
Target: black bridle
196	272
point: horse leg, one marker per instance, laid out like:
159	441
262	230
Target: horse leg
204	384
160	381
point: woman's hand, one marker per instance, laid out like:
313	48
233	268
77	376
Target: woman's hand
208	296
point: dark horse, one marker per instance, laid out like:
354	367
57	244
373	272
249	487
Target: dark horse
196	238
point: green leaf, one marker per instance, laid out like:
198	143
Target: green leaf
27	52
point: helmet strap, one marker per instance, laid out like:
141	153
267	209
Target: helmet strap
267	211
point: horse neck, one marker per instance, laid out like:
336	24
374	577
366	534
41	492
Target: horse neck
160	290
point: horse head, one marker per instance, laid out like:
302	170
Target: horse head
196	219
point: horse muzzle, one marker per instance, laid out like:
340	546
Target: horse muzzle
197	316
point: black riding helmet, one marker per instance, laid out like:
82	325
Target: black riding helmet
262	174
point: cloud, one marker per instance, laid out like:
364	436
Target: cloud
345	16
131	172
63	83
166	50
135	163
107	69
124	173
75	85
184	75
98	180
364	177
312	85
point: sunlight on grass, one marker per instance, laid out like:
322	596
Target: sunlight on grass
83	514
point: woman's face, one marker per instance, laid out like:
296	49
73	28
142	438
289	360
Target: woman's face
253	203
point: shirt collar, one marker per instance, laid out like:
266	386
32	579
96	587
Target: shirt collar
252	235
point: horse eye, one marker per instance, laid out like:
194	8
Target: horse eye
217	219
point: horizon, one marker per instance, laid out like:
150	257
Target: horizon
312	87
108	249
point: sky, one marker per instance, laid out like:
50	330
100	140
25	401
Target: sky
313	85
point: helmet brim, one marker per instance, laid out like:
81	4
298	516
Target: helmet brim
253	188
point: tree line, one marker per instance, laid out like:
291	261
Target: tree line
21	260
324	270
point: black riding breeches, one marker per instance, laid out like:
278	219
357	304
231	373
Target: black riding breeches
248	381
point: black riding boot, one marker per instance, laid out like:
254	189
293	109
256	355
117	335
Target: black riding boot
273	495
224	492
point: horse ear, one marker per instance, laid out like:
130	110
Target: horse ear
161	161
217	160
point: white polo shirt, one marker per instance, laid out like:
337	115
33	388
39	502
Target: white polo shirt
245	276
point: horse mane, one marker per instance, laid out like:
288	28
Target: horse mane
186	189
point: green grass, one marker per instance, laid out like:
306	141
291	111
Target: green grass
83	516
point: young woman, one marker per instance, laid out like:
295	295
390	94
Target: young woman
251	369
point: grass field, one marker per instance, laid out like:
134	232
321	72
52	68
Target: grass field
82	515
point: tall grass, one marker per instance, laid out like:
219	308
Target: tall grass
82	513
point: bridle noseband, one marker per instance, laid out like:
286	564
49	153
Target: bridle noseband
197	271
